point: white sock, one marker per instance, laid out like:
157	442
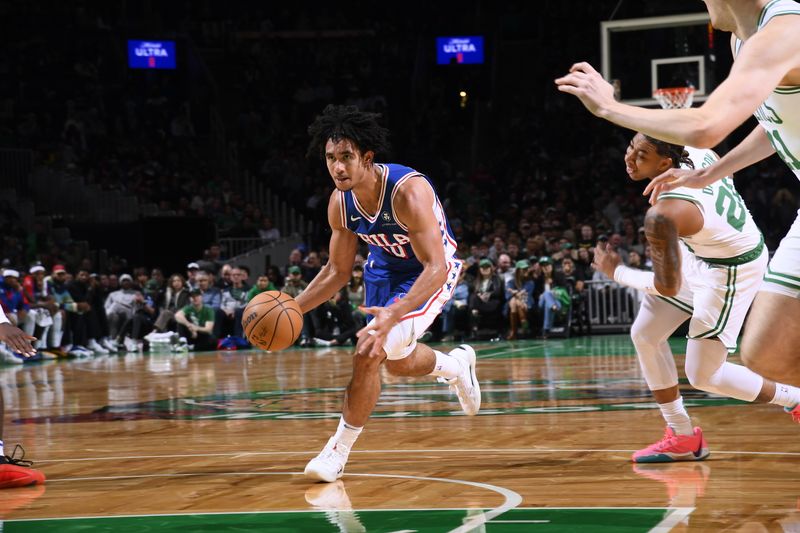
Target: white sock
347	434
446	366
1	448
786	395
676	416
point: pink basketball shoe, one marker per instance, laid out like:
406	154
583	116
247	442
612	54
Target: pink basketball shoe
674	447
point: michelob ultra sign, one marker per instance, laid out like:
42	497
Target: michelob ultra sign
459	50
151	54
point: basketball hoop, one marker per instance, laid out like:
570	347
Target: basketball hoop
674	97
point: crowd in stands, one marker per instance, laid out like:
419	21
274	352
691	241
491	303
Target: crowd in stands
515	288
526	208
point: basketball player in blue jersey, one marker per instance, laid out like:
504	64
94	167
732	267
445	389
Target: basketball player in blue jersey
410	272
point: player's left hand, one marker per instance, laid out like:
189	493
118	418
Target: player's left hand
605	259
377	330
589	86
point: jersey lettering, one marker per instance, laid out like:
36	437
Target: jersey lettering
396	248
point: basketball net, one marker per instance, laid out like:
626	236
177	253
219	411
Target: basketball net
674	97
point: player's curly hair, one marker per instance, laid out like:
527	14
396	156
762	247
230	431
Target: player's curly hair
339	122
675	152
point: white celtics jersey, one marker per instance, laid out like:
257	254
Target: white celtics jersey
729	234
779	115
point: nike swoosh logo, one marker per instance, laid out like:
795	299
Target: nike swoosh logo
353	219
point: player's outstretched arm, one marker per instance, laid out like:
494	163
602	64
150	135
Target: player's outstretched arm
336	273
752	149
760	66
413	207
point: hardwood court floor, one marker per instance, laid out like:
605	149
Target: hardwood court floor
215	442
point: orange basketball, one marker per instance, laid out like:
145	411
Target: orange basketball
272	320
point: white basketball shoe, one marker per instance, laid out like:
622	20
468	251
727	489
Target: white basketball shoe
466	385
329	464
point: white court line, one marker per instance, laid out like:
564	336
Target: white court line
674	518
511	499
240	454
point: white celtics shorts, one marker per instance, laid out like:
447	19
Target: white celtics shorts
783	273
718	296
402	339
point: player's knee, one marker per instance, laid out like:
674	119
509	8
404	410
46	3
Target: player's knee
640	336
702	379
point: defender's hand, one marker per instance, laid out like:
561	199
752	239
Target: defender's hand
605	260
595	93
677	177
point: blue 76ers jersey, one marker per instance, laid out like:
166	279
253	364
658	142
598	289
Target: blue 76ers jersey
391	258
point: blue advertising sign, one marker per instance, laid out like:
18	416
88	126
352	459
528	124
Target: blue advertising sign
459	50
151	54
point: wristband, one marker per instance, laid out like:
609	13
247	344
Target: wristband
638	279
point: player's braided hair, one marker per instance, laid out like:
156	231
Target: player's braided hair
675	152
339	122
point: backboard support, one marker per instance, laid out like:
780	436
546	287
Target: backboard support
677	47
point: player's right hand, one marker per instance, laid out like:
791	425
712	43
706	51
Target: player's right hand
677	177
17	340
605	259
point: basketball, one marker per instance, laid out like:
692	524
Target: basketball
272	320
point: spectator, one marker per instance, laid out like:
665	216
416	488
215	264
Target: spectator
456	311
577	288
98	321
275	277
295	284
268	232
615	243
15	308
504	269
355	295
549	303
587	241
120	307
487	300
519	295
333	321
85	326
311	267
176	297
583	265
263	284
244	272
212	296
196	323
224	280
141	323
56	286
295	259
191	272
498	247
229	315
157	275
43	309
12	298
